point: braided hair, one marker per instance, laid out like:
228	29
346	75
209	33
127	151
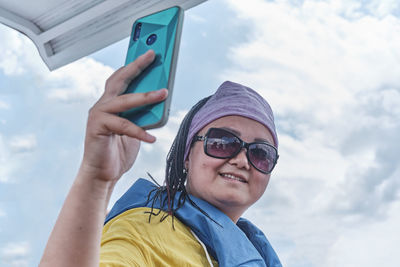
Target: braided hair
175	174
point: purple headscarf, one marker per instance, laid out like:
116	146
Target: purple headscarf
233	99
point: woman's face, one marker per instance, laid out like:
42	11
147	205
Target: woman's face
213	179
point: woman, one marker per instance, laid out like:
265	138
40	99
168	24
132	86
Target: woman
218	166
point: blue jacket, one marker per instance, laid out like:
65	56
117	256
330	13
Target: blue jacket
241	244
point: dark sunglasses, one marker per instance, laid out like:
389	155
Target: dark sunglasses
222	144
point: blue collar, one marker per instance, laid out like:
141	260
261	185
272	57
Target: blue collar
241	244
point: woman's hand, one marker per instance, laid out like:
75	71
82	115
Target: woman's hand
112	143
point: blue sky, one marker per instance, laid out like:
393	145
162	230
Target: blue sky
330	70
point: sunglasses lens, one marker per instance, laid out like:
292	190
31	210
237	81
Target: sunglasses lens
221	143
262	156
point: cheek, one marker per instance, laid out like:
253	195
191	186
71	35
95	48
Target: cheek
202	173
261	185
204	164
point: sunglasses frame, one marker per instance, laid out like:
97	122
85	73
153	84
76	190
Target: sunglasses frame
243	144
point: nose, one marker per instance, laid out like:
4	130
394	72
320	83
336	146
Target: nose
240	160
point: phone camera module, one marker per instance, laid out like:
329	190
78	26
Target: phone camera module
136	33
151	39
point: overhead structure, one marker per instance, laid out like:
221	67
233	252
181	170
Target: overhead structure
66	30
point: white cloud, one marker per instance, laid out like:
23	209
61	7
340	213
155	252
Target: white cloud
4	105
81	80
23	143
369	244
15	254
6	165
78	81
197	18
382	8
18	54
10	47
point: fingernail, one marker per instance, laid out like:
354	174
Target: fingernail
150	138
150	51
158	92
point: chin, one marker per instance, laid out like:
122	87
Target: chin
231	200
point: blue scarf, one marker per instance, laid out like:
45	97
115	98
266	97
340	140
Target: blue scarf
241	244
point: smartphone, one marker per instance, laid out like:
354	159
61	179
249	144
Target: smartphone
161	32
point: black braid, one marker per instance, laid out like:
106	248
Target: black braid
175	176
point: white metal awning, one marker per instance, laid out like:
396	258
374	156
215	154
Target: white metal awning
66	30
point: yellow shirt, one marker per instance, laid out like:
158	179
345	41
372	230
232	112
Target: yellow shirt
130	240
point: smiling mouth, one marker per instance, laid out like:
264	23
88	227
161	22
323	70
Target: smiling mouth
233	177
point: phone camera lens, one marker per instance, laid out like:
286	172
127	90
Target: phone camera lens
136	34
151	39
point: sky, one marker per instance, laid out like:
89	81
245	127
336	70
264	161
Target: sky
329	69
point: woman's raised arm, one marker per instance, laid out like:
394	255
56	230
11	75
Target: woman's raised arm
111	146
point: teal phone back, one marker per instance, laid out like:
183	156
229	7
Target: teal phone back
166	26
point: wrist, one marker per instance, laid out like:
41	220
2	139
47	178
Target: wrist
97	188
98	172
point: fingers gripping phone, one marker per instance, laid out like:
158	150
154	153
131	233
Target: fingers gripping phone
160	32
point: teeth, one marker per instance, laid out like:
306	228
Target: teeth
230	176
